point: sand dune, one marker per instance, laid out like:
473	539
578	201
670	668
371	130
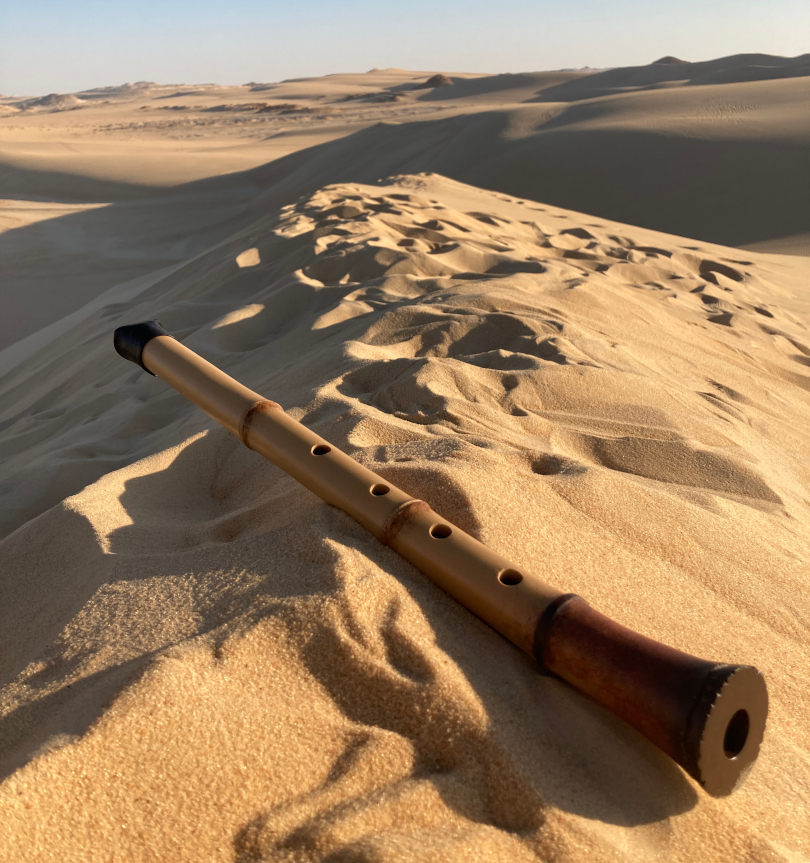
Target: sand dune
713	155
205	662
199	660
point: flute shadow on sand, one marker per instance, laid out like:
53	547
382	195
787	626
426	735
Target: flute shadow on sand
707	716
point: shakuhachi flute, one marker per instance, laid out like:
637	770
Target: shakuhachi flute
707	716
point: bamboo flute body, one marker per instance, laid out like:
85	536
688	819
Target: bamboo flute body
709	717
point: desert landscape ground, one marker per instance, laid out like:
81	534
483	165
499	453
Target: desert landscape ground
569	309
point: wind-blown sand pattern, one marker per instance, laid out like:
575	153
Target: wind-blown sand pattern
714	150
210	663
200	660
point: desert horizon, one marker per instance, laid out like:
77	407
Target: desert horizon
569	309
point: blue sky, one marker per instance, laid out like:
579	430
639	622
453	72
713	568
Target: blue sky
66	45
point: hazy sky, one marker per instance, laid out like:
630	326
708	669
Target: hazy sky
67	45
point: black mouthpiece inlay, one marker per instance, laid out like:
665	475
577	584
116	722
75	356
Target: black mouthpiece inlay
130	340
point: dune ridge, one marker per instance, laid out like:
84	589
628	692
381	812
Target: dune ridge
203	661
716	153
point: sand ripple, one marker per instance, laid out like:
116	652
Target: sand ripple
204	662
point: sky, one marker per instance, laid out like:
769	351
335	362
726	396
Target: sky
63	46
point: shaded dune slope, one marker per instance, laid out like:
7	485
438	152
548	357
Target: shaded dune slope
734	192
723	161
80	247
574	86
204	661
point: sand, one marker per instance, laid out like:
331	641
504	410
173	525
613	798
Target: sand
201	661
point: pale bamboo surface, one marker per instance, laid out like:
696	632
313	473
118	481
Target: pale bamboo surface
487	584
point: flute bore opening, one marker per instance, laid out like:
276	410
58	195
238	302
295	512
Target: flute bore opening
510	577
736	734
441	531
321	449
379	489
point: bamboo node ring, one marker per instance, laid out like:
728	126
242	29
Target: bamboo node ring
250	414
400	517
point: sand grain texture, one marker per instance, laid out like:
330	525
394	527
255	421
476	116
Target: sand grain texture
200	660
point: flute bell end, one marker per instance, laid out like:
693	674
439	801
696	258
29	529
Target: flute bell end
727	727
709	717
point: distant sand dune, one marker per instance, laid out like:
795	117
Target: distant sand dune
716	156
